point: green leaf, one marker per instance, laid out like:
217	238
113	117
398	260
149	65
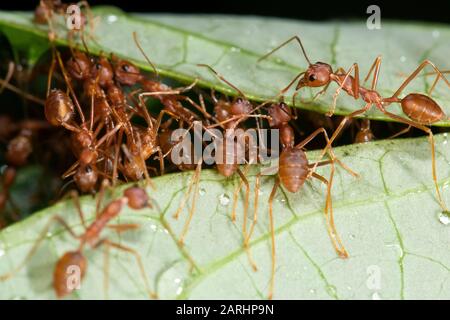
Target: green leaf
389	220
232	45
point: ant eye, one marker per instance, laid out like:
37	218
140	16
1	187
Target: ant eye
239	100
125	67
98	66
312	78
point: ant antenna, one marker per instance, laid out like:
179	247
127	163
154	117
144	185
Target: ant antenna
285	43
220	77
143	53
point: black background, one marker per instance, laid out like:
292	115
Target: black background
428	10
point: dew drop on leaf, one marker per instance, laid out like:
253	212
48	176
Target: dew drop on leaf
224	199
444	218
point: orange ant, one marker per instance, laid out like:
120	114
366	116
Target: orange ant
293	170
135	197
421	109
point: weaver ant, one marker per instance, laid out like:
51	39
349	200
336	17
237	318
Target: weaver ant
135	197
293	170
421	109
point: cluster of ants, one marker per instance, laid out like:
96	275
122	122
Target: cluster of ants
102	103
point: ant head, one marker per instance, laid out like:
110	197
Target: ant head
66	263
240	106
86	178
279	113
127	73
102	72
317	75
137	198
79	66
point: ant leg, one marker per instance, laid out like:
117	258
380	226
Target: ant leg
222	78
272	237
330	150
375	66
285	89
321	92
432	144
414	75
101	194
337	242
341	126
126	249
136	41
72	92
255	209
236	194
238	119
199	108
193	181
76	201
116	157
297	38
194	201
33	250
9	74
22	93
355	87
244	224
403	131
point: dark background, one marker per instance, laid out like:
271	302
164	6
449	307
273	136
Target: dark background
428	10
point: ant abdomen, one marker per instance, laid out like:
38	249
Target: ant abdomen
59	107
293	169
137	198
422	108
19	149
71	263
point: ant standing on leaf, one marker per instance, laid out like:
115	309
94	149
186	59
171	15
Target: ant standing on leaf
421	109
135	197
293	170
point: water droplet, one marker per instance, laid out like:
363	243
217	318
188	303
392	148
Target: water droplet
202	191
177	280
352	236
179	290
224	199
331	290
166	231
376	296
2	252
349	288
111	19
444	218
49	234
153	227
234	49
435	34
312	291
402	59
281	200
